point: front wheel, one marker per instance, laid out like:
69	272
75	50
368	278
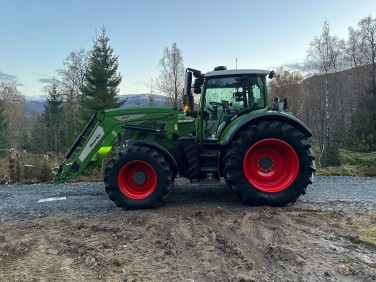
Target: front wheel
269	163
138	177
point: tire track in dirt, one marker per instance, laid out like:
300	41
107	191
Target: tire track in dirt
35	254
206	251
190	243
231	238
255	240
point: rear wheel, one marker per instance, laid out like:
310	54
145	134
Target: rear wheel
138	177
269	163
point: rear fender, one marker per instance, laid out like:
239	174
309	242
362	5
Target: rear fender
265	116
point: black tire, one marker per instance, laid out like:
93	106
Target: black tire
138	177
246	148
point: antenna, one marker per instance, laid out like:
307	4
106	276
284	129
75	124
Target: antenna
236	63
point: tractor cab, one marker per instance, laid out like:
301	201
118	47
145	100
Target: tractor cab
226	95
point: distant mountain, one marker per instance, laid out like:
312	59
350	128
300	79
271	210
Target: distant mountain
143	100
131	100
32	106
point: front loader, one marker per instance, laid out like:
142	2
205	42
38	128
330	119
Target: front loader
262	152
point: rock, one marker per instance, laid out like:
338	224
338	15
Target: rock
346	270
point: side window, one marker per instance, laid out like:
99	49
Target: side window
257	98
227	96
256	95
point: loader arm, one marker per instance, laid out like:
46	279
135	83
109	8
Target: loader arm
107	128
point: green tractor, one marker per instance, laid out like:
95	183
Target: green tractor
262	152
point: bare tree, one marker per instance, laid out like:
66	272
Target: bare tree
13	111
10	94
323	58
361	56
73	74
368	45
368	34
354	54
288	84
171	78
152	90
71	82
355	59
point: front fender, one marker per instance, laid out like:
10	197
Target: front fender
236	126
161	149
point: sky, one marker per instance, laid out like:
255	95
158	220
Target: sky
36	36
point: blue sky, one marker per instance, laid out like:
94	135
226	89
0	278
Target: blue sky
36	36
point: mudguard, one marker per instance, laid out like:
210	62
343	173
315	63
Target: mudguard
265	116
160	148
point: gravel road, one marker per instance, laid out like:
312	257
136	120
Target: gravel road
327	193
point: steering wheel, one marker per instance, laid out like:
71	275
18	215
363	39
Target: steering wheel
216	105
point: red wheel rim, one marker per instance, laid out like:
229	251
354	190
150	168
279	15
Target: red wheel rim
137	179
271	165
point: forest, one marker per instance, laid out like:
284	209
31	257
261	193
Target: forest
333	91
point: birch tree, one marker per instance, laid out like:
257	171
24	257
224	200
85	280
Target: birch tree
171	78
323	58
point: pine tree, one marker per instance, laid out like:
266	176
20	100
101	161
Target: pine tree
53	118
101	78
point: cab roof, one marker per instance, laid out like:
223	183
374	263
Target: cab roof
236	72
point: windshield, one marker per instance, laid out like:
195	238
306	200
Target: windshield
227	96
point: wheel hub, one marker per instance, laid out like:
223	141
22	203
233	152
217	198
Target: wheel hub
139	177
265	163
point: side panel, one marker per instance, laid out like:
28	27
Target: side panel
231	129
186	126
95	137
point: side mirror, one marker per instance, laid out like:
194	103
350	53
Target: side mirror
271	74
196	73
197	85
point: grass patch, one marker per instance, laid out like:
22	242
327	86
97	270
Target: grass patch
352	163
346	169
357	158
368	235
4	170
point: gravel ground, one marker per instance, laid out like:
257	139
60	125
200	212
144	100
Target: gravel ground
327	193
343	193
